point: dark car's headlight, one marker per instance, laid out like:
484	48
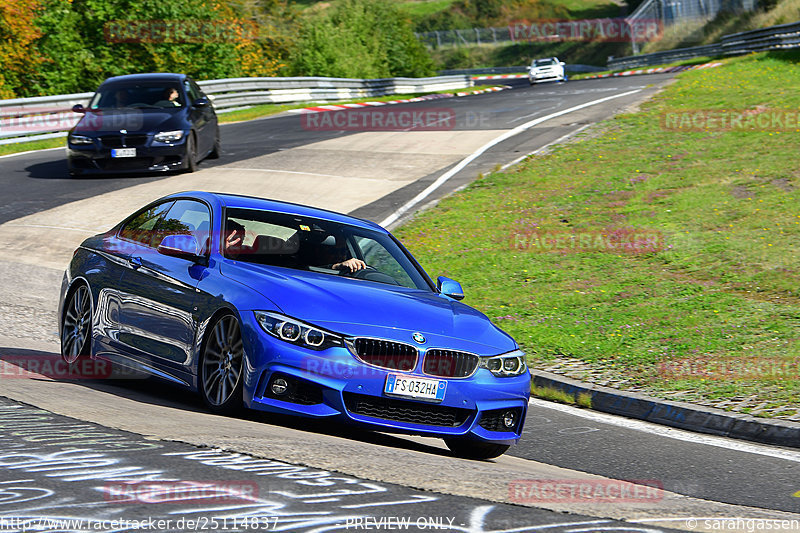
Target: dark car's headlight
169	136
295	332
80	139
507	364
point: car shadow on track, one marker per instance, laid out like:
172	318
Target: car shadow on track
99	376
58	170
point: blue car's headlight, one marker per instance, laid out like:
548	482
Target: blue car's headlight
168	136
295	332
507	364
80	139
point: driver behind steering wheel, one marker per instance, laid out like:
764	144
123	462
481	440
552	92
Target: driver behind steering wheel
337	257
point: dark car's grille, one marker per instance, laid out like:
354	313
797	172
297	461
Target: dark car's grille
404	411
493	420
450	364
123	141
386	354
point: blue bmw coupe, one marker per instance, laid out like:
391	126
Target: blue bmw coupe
290	309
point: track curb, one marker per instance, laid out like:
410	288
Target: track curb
680	415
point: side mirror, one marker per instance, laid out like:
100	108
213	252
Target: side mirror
450	288
562	63
78	108
201	102
182	246
528	67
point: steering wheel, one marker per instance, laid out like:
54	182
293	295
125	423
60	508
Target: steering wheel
360	273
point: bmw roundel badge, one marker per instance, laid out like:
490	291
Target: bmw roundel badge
417	336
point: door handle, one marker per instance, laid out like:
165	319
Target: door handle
135	262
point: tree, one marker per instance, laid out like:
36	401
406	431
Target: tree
359	39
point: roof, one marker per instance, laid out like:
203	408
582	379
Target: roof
150	76
252	202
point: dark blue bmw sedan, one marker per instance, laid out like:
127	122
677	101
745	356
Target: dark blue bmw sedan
290	309
143	123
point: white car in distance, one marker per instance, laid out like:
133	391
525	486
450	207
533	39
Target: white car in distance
547	69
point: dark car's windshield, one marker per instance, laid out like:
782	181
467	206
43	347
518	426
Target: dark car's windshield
303	243
139	95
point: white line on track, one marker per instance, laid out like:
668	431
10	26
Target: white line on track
477	153
546	146
669	432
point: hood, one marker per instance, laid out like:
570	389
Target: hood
366	308
133	120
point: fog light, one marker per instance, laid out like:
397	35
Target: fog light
279	387
509	419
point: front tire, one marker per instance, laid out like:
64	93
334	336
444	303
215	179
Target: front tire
221	366
473	449
76	325
217	150
191	154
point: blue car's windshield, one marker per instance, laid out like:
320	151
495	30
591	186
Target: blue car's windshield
304	243
140	95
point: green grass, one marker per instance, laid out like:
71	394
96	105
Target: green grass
721	288
422	8
557	395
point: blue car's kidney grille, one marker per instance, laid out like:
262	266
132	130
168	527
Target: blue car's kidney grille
450	364
120	141
404	411
386	354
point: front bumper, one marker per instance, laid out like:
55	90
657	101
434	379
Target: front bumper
96	159
334	384
540	77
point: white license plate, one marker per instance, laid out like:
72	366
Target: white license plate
123	152
413	387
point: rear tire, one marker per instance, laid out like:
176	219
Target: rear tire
473	449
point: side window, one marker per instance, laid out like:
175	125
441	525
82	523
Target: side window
191	90
196	88
142	226
185	217
378	257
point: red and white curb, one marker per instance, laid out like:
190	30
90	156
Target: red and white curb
339	107
658	70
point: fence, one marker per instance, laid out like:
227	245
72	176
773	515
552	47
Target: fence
26	119
781	37
671	12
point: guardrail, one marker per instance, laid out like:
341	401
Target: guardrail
516	70
780	37
26	119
